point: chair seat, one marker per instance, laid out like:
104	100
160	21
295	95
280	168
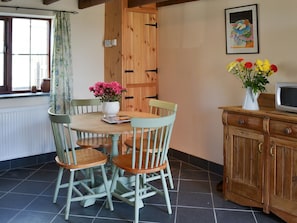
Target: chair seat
95	142
86	158
129	143
125	162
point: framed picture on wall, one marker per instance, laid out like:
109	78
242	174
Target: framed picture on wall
242	29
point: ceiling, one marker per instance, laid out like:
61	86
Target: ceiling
131	3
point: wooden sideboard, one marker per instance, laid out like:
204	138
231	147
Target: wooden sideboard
260	159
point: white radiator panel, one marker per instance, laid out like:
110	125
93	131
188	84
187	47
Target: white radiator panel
25	131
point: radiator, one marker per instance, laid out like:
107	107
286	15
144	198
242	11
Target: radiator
25	131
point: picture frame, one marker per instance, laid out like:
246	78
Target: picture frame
241	25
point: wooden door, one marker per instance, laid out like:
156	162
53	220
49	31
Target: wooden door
244	166
140	48
283	178
140	60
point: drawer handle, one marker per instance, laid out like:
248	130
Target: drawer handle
240	121
288	131
271	151
260	148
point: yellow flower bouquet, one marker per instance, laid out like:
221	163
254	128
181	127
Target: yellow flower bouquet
253	75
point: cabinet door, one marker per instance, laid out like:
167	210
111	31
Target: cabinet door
283	177
140	44
244	166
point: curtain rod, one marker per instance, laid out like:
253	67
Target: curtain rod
50	10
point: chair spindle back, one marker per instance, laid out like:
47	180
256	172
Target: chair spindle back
162	108
149	151
63	138
81	106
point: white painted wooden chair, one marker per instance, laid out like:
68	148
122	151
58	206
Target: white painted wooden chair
147	157
72	159
161	108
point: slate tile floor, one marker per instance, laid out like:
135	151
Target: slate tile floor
26	197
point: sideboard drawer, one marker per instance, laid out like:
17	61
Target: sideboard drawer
283	128
245	121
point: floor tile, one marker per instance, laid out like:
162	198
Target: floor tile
31	187
18	174
72	219
121	211
156	213
235	216
45	204
265	218
194	174
220	202
7	214
197	215
91	211
195	199
8	184
106	220
16	201
194	186
160	200
50	190
44	175
32	217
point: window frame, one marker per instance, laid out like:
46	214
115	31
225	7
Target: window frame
7	88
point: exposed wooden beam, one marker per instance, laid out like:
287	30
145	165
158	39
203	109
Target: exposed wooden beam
82	4
47	2
173	2
136	3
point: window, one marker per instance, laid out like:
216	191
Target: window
24	53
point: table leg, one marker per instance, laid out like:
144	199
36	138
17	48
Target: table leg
101	188
115	148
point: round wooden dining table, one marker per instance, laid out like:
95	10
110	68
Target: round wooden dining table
93	123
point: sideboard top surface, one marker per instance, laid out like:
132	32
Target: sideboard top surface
267	109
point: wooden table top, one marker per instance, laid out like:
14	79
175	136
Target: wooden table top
91	122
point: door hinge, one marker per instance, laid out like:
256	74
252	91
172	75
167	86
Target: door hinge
152	24
156	97
129	97
129	71
227	180
153	70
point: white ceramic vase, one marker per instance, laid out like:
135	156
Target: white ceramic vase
110	109
251	100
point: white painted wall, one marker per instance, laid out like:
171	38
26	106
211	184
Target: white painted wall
192	63
88	51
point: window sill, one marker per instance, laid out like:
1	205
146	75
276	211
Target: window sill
21	95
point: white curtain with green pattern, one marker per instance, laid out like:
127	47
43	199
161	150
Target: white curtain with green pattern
62	73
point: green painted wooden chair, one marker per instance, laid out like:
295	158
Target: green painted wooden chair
150	156
72	159
85	139
161	108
